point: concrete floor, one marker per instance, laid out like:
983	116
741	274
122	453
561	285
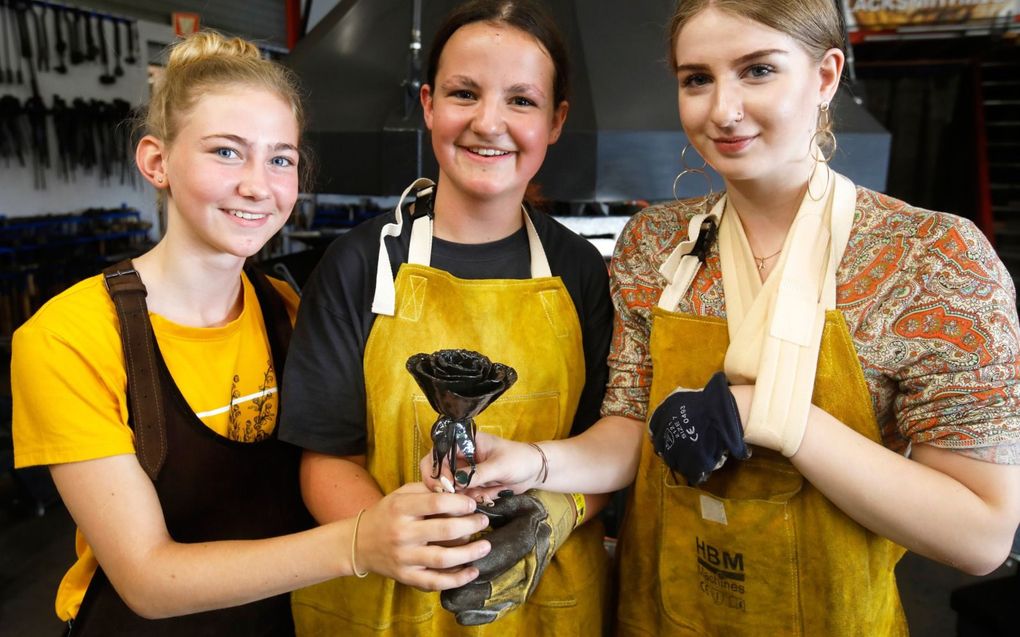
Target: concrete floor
36	549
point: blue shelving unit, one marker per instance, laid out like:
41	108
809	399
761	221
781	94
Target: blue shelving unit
41	255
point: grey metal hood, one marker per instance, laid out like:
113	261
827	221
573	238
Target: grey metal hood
622	138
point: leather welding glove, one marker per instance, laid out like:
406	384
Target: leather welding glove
527	529
694	431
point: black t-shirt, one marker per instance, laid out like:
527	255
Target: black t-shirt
323	403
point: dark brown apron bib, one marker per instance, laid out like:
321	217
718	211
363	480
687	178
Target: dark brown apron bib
210	488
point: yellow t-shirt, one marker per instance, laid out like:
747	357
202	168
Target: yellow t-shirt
69	387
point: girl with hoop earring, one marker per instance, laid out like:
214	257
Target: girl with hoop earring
851	359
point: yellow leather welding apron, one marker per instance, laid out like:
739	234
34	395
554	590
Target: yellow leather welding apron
529	324
757	550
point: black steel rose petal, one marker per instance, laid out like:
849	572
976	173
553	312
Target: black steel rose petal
458	384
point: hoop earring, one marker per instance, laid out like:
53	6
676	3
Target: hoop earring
822	137
811	178
688	170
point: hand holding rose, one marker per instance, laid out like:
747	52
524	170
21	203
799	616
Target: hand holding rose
458	384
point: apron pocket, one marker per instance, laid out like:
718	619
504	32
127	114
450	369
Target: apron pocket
727	558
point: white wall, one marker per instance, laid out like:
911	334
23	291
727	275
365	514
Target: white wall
18	195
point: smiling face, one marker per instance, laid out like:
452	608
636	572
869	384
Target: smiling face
492	113
231	171
749	96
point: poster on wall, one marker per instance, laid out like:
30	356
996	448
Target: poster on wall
891	14
186	23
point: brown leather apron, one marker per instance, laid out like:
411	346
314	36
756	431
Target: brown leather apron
210	488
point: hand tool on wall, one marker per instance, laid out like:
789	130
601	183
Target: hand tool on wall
91	50
83	138
58	35
103	139
4	52
121	148
19	76
6	143
132	55
63	128
36	112
42	42
11	35
73	18
118	70
11	129
22	9
106	77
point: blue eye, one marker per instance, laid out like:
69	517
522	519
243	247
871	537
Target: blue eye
226	153
760	70
283	162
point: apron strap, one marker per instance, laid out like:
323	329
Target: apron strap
384	301
144	395
420	251
539	262
683	263
275	319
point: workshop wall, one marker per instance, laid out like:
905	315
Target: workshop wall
30	189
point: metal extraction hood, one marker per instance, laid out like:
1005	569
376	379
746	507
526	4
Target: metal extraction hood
622	138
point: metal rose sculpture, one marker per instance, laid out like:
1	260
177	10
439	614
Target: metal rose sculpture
459	384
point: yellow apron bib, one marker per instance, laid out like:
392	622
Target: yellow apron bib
757	550
529	324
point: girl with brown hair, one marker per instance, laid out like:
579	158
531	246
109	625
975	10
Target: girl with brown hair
472	267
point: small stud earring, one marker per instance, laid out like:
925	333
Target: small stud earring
159	179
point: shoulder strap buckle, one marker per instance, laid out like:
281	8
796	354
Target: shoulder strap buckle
121	278
424	202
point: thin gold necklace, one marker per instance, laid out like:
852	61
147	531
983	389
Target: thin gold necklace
760	261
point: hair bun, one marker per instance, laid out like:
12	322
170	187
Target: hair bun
206	45
207	62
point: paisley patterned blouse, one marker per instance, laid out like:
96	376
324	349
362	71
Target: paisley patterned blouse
930	308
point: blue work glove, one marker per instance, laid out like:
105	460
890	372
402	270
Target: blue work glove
694	431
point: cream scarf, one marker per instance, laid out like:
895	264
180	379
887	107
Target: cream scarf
775	328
